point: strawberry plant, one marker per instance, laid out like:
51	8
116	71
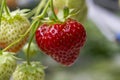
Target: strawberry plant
60	37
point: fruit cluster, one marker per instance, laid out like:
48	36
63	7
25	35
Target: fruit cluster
61	39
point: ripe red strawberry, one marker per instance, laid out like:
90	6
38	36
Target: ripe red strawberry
11	28
61	41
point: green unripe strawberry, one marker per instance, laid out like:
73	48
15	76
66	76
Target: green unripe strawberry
33	49
11	28
7	65
77	5
35	71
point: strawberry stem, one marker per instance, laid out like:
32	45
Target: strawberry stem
35	26
45	10
17	41
6	9
28	49
1	10
37	9
52	8
40	6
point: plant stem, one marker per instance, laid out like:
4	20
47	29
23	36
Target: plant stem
40	6
12	44
36	24
31	13
6	8
45	10
1	10
37	9
52	8
28	49
29	28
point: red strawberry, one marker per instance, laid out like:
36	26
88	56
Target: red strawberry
61	41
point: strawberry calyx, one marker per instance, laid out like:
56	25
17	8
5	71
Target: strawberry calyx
7	56
60	17
35	71
64	14
17	14
33	68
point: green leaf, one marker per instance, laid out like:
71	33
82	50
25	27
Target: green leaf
66	12
72	13
72	10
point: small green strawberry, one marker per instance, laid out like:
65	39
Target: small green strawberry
33	49
7	65
35	71
11	28
77	5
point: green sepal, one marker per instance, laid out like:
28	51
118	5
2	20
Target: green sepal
66	12
7	56
16	13
33	68
72	13
22	12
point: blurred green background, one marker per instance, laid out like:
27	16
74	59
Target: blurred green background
99	58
